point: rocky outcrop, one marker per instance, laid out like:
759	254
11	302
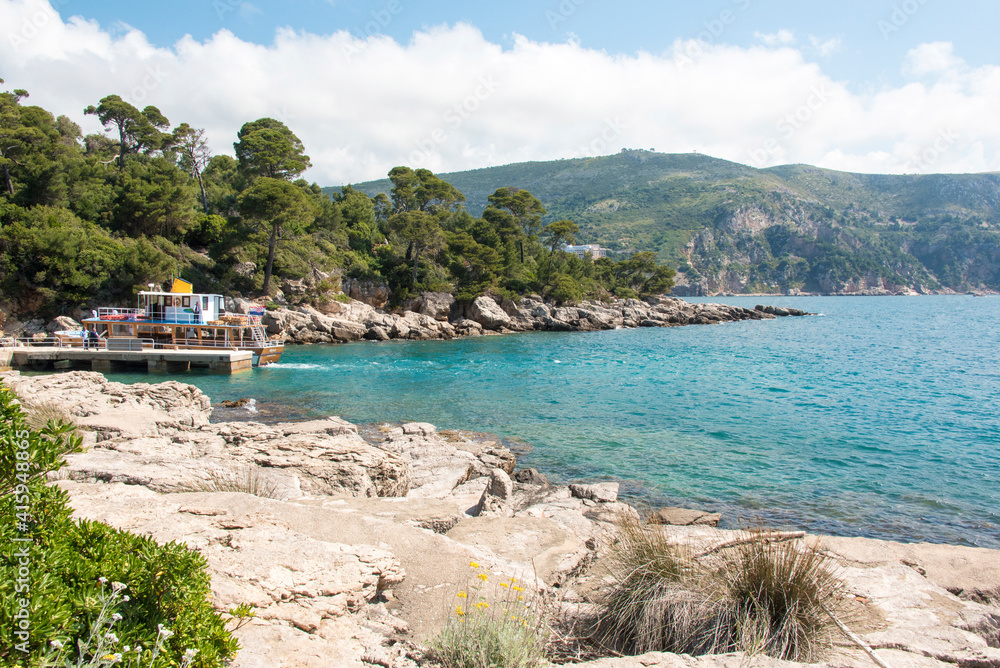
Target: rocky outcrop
437	316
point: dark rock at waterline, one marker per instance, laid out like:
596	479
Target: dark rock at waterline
530	477
684	517
237	403
780	310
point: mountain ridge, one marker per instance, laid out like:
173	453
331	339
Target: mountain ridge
732	228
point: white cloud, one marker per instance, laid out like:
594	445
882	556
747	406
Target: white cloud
826	47
781	38
450	100
932	58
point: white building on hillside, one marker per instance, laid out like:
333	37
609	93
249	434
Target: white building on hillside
581	251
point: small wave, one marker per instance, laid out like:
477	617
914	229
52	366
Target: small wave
250	406
296	365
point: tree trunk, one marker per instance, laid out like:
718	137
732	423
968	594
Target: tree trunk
270	259
204	197
520	245
121	150
8	180
416	258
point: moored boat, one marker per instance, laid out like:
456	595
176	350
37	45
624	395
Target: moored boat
182	319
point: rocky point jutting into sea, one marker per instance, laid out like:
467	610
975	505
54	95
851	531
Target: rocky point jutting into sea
353	547
437	315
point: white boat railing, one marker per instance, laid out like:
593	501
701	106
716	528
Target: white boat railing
77	342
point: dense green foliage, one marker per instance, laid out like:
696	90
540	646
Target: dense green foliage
85	221
64	561
767	230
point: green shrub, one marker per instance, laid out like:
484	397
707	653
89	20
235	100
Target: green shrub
493	625
70	561
756	595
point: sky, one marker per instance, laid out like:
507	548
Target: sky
878	86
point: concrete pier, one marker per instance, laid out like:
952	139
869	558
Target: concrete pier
159	361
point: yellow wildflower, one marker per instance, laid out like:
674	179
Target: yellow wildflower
461	594
504	585
483	577
459	611
516	588
520	598
473	564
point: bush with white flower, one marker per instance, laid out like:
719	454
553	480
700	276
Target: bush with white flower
94	589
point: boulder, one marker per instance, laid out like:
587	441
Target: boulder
684	517
488	313
602	492
376	333
436	305
498	497
63	322
530	477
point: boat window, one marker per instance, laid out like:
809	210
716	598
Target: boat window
186	301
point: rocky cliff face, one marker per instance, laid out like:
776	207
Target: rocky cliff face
793	250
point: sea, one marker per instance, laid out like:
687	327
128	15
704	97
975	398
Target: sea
877	417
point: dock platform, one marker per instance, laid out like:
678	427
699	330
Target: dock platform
40	358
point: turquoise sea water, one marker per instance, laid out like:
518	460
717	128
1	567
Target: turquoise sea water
881	417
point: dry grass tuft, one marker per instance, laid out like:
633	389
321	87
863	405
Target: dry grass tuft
249	479
38	415
757	595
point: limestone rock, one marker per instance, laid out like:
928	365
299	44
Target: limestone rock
437	305
530	477
602	492
488	313
497	498
684	517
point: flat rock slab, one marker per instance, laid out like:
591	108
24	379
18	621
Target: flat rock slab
535	541
684	517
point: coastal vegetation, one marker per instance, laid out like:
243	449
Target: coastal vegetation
85	219
732	228
493	624
757	594
82	591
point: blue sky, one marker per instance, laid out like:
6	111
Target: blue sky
873	46
878	86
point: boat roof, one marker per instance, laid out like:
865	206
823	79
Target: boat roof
157	293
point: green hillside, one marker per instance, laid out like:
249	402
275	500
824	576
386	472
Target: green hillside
733	228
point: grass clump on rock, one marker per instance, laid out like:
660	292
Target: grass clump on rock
756	594
81	592
493	624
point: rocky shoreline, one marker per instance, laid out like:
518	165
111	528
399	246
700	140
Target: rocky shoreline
351	547
436	315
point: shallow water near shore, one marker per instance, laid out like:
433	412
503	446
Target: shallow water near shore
879	418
